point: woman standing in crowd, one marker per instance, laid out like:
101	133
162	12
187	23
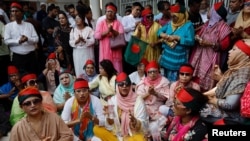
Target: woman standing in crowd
147	31
224	100
106	29
177	36
89	74
213	39
105	81
154	89
187	124
82	40
63	49
64	90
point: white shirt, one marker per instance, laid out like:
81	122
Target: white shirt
129	24
135	78
13	33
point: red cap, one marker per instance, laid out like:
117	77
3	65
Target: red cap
17	5
184	96
12	70
217	5
52	56
152	64
27	77
121	77
243	47
89	61
81	83
146	11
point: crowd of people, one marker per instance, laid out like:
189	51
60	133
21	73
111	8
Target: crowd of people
61	80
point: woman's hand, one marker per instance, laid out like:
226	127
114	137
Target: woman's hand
216	74
110	121
66	96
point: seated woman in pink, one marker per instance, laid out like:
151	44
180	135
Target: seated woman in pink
154	89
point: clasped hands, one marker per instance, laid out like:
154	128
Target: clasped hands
88	115
170	38
23	39
80	39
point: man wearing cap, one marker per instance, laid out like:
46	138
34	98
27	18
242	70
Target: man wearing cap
38	124
83	113
21	37
9	90
126	112
30	80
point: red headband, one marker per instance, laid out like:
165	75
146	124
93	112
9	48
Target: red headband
29	91
17	5
184	96
28	77
145	12
243	47
12	70
81	84
152	64
186	69
111	7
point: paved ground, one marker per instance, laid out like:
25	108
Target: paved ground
5	138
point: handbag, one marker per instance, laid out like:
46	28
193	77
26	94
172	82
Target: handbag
244	102
117	42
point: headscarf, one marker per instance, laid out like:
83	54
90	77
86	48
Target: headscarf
180	12
144	21
85	75
126	104
238	61
60	90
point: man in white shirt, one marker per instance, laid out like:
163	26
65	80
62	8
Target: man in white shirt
3	16
130	22
21	37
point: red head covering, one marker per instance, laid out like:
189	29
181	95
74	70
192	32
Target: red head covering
177	8
146	11
52	56
111	7
89	61
243	47
12	70
184	96
122	77
144	61
17	5
27	77
187	69
81	83
152	64
220	9
247	0
28	92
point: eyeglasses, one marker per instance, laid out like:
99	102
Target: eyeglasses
247	4
32	82
34	102
153	71
149	16
186	74
122	84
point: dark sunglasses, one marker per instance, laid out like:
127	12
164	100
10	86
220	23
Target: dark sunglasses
33	82
186	74
122	84
34	102
153	71
150	16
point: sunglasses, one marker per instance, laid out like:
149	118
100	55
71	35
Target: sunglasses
149	16
32	82
186	74
122	84
34	102
152	71
247	4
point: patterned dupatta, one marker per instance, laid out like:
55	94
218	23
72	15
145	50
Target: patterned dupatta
83	130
